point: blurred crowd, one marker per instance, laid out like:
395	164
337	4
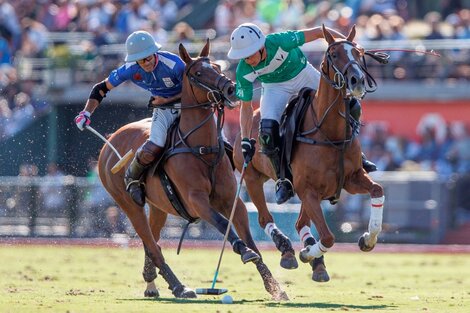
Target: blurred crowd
28	29
440	147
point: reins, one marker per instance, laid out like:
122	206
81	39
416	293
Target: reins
215	102
339	84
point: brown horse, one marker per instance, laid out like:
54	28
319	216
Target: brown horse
200	172
325	158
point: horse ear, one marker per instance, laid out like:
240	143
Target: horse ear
205	51
326	34
352	33
184	54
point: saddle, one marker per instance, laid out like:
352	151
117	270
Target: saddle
289	127
157	169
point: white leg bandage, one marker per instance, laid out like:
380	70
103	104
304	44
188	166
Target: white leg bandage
376	212
305	233
315	251
269	228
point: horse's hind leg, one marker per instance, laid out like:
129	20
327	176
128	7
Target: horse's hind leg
200	202
254	185
141	225
157	220
241	224
311	207
362	183
319	273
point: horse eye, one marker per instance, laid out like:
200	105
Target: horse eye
198	73
334	55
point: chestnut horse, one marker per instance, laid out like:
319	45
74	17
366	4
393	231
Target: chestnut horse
325	158
200	172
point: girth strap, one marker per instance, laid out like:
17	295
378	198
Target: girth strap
173	197
196	150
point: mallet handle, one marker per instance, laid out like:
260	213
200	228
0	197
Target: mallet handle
245	165
104	139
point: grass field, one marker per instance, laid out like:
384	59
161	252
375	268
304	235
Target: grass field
95	279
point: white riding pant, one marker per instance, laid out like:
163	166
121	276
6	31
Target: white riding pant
275	96
161	121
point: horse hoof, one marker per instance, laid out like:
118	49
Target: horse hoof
250	256
281	296
288	261
151	293
184	292
320	275
303	255
362	245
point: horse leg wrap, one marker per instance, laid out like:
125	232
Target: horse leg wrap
376	213
316	251
173	282
310	241
281	241
150	271
238	245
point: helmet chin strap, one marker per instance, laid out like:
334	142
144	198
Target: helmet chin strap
156	60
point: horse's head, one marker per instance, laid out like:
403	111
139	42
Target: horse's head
341	65
207	82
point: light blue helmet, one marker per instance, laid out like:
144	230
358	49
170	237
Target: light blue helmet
245	40
139	45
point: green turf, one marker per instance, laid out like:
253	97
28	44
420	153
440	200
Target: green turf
78	279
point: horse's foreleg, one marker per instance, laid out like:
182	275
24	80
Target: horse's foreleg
362	184
200	202
311	207
368	240
254	186
241	224
319	273
157	219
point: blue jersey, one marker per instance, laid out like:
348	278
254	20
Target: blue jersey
166	80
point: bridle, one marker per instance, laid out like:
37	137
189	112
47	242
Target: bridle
215	95
215	102
339	82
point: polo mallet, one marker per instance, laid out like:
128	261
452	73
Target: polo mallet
219	291
122	159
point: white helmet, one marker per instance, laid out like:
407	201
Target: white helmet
139	45
245	40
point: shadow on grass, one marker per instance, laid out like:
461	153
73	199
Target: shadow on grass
320	305
269	303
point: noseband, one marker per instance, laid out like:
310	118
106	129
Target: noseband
339	82
215	93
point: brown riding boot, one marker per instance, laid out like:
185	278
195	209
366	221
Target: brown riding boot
144	157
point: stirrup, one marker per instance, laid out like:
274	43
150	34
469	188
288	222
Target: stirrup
129	183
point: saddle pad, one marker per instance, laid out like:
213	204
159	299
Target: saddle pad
290	122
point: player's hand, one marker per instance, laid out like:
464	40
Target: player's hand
83	119
248	148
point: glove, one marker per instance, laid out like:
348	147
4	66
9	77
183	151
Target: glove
83	119
248	148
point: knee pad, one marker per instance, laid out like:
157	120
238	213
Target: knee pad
147	153
269	137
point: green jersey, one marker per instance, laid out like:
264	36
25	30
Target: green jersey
283	62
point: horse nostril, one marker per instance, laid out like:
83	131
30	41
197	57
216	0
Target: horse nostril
353	81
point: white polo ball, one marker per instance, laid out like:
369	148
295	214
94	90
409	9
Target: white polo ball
227	299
